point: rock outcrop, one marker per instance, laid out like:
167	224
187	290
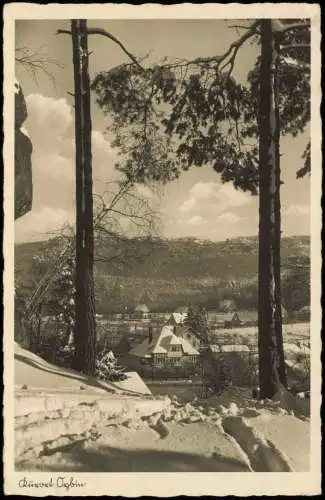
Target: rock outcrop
23	157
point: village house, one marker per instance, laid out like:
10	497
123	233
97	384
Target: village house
233	321
225	319
169	347
237	319
178	321
141	311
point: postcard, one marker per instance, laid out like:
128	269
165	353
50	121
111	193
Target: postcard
162	249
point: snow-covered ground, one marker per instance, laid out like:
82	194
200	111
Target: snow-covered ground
291	331
31	371
103	427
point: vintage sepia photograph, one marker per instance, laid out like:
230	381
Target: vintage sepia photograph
162	249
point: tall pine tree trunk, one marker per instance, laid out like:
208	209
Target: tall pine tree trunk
85	327
277	249
271	359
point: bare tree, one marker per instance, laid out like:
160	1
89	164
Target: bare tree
37	62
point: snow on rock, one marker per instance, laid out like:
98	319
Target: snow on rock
23	157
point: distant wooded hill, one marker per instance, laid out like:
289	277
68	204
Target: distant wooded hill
165	274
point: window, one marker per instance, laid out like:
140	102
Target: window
175	348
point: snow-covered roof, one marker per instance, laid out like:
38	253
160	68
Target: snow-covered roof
177	318
161	344
141	308
175	340
229	348
142	350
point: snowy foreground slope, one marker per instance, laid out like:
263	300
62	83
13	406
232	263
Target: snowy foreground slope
67	422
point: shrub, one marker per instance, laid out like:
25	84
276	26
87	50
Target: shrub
107	367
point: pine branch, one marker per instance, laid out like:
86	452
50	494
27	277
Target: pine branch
235	46
221	60
100	31
280	27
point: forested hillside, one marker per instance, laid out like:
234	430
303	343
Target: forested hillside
168	273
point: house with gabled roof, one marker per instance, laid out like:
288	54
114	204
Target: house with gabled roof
170	346
141	311
233	321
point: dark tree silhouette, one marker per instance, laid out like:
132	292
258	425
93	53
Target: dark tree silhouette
85	326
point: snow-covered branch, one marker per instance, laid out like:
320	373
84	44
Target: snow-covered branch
295	46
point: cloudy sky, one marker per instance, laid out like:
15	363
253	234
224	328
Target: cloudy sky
197	204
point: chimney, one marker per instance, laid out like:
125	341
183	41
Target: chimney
150	334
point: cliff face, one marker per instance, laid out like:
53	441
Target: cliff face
23	158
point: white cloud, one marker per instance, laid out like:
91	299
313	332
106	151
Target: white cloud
298	210
188	205
38	224
50	125
204	190
99	141
104	158
213	196
231	197
48	118
209	203
229	218
54	166
196	220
